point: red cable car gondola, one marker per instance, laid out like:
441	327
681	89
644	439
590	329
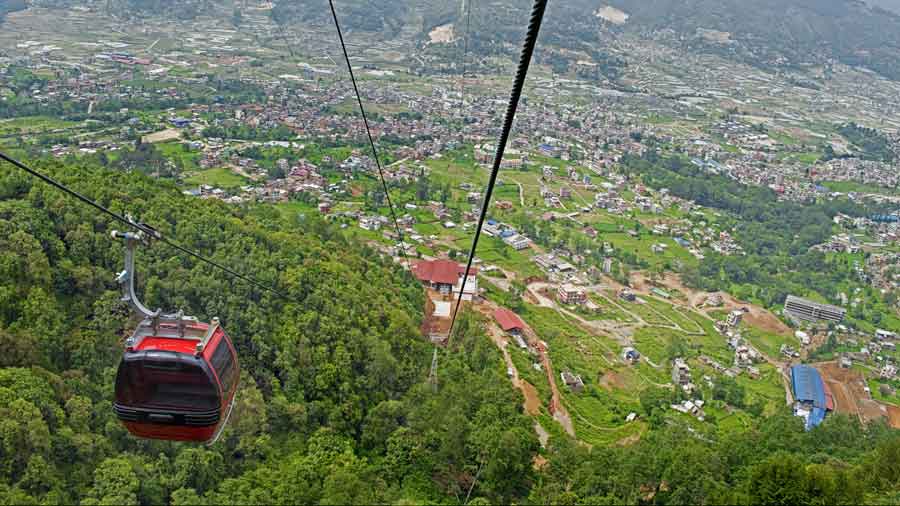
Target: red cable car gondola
178	377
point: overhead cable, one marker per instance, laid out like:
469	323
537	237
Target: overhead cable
142	227
465	60
362	111
534	28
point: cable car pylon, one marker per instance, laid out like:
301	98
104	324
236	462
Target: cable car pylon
432	375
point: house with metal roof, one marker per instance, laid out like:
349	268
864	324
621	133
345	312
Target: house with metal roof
509	321
810	311
812	396
446	276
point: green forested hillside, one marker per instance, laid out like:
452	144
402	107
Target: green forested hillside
334	406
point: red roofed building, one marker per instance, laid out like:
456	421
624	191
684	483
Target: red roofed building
509	321
446	277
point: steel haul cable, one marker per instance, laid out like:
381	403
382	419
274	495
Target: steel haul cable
150	231
362	111
465	61
534	28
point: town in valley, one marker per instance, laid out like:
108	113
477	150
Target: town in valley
611	262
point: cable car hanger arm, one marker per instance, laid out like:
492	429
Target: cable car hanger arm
175	325
126	277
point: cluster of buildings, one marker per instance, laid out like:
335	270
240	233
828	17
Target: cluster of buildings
878	350
884	271
507	233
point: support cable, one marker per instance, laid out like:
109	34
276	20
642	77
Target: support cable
362	111
465	59
534	28
150	232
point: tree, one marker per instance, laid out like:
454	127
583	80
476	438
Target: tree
20	349
345	485
186	497
198	469
729	390
886	472
114	483
655	398
381	422
678	347
423	190
39	477
23	433
79	410
508	472
780	479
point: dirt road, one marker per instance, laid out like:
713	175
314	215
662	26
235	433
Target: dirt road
532	403
848	387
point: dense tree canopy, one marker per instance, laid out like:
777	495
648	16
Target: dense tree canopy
334	406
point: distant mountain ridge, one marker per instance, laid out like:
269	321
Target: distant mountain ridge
891	5
780	31
761	32
766	33
7	6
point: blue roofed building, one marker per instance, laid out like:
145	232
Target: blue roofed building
812	397
682	242
180	122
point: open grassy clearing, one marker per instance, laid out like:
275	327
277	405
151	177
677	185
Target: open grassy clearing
671	313
34	124
176	150
642	247
610	310
599	417
599	412
767	342
769	388
652	343
853	186
728	423
571	348
874	385
494	251
221	177
647	312
290	209
690	320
